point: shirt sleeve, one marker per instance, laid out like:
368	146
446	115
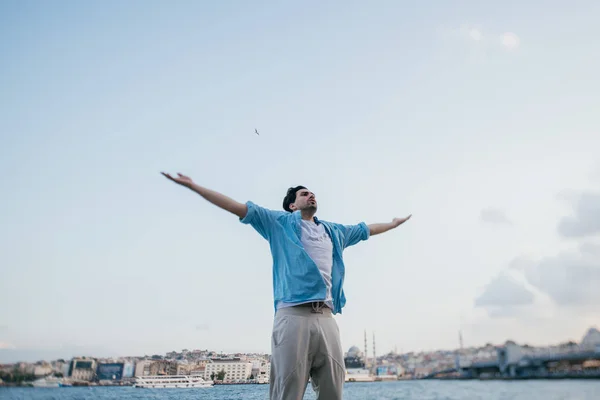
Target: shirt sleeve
354	233
260	218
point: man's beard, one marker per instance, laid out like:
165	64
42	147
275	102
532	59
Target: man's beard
311	207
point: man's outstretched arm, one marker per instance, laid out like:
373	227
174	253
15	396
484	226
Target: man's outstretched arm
216	198
376	229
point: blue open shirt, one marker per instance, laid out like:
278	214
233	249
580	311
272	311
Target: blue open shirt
296	277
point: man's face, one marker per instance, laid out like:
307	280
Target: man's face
305	200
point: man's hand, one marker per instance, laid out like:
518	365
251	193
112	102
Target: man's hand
399	221
376	229
218	199
181	179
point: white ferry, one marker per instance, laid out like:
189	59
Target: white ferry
49	382
171	381
359	375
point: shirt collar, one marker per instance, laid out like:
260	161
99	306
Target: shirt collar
298	216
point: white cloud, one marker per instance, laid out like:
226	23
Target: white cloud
472	33
475	34
590	249
585	220
504	291
494	216
535	325
569	278
5	345
565	280
510	41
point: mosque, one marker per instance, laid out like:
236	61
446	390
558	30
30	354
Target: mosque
354	358
356	364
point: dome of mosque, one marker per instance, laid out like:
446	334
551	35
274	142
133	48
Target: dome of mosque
354	352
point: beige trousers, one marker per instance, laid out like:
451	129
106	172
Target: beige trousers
306	344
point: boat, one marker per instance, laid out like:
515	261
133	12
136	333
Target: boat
359	375
171	382
48	382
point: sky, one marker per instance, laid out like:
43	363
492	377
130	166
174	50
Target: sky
480	120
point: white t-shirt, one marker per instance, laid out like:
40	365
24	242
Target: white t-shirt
317	244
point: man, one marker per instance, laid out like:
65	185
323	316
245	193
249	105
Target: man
308	275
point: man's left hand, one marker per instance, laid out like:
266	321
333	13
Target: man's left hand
399	221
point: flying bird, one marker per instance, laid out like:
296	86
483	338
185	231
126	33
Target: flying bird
255	131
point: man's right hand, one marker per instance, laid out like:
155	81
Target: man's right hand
180	179
216	198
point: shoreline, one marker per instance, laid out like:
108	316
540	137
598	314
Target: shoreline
564	378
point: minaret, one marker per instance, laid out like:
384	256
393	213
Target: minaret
374	353
366	358
460	352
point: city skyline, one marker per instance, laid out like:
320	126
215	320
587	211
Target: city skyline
14	356
480	120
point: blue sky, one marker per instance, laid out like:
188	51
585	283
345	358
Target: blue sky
479	119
